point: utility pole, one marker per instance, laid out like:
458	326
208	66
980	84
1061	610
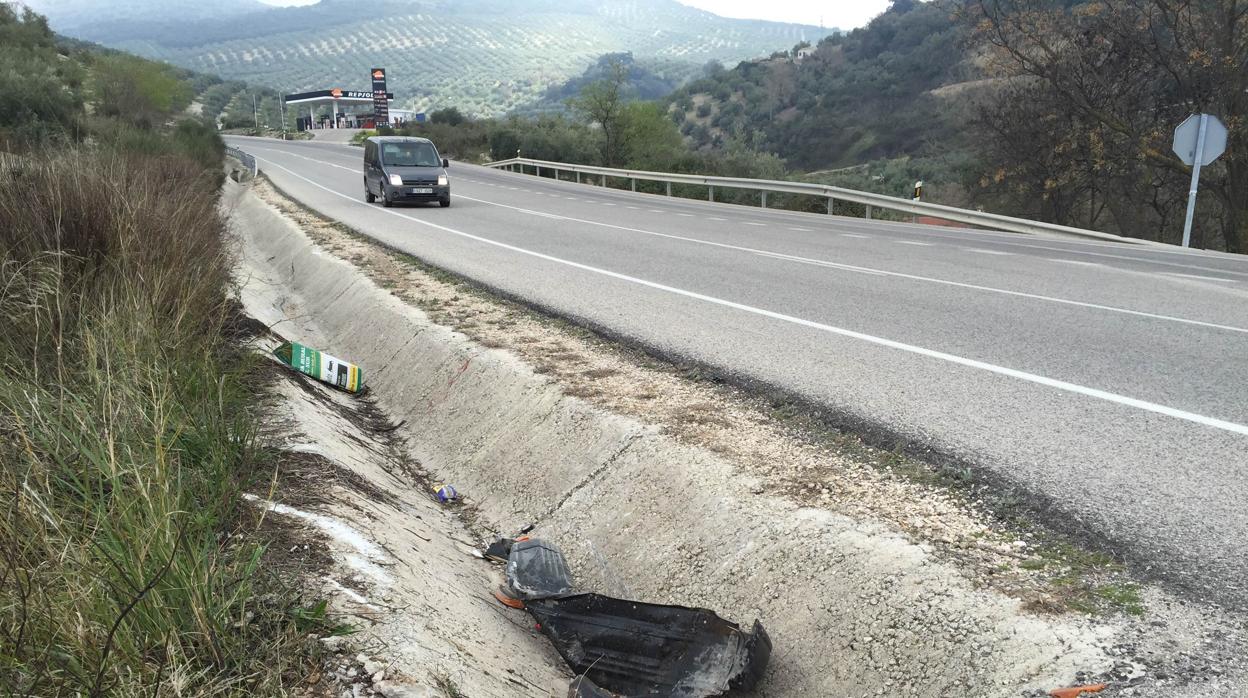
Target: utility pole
254	111
281	102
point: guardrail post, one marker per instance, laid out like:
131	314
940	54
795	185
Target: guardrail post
764	199
669	188
868	211
831	205
632	183
710	193
539	170
578	176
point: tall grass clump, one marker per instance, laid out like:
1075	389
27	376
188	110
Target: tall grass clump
125	434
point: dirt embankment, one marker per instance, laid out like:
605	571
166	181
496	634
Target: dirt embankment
657	486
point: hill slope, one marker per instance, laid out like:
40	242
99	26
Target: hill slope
75	17
483	56
859	96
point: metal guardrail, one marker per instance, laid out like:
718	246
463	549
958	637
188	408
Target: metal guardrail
872	201
247	159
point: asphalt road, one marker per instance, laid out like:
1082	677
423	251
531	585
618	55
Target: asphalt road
1109	381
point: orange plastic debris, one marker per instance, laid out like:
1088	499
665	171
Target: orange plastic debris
508	601
1076	691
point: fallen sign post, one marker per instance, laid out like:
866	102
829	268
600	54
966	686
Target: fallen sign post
321	366
1198	141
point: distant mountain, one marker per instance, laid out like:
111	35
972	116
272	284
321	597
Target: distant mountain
82	18
485	57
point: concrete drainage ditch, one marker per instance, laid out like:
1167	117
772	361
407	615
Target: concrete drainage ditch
852	606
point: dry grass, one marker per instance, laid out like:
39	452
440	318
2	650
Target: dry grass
125	440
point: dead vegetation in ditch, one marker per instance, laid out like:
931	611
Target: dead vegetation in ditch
788	449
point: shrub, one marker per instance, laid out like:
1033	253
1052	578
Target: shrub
126	436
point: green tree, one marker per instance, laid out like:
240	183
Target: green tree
602	103
653	142
134	90
450	116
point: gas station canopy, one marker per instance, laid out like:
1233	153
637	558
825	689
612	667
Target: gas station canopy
340	103
327	97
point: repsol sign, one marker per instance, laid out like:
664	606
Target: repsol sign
335	94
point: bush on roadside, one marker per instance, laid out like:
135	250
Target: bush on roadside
126	435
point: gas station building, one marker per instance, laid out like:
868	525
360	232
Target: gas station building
338	108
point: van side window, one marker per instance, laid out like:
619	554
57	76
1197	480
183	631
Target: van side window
370	153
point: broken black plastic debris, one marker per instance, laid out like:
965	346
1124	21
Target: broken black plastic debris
639	649
582	687
537	570
499	550
622	649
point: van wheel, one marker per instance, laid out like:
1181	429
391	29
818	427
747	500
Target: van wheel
385	199
444	203
368	196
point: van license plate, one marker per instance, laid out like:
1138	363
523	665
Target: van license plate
425	190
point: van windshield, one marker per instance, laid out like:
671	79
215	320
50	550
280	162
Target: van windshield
409	155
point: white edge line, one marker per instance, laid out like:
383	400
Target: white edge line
902	275
879	341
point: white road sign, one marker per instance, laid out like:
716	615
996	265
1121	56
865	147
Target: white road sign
1187	139
1198	141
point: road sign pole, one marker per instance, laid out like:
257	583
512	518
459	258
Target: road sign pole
1191	193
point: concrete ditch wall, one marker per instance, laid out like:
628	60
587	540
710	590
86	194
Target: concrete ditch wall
853	608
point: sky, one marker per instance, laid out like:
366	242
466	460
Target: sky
845	14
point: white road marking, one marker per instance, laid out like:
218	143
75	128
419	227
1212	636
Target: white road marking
757	225
633	207
869	270
713	218
1006	238
1202	278
800	230
913	242
1074	388
544	215
1080	262
819	263
978	250
607	203
685	215
895	274
855	235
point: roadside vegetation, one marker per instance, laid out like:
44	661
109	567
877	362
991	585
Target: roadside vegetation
128	430
1057	111
989	102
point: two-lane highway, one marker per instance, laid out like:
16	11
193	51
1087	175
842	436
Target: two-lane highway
1108	380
